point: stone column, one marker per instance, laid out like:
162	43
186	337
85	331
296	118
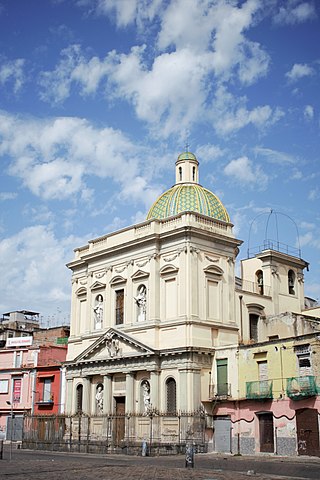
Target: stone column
107	394
154	389
71	397
130	392
86	395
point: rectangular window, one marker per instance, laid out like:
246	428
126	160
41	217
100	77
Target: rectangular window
171	298
46	393
253	319
16	390
119	307
17	359
4	386
222	376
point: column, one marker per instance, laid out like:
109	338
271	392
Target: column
154	389
130	392
107	394
86	395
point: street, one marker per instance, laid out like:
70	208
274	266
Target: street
39	465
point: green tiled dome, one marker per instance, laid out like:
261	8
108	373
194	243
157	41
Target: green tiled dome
190	197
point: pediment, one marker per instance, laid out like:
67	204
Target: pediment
113	345
117	280
169	270
139	274
97	286
213	270
81	291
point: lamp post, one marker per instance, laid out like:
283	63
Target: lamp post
11	429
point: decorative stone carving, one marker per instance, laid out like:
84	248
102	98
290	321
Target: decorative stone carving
112	345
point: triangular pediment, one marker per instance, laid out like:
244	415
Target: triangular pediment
139	274
97	286
112	345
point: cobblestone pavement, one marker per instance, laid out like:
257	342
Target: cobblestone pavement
34	465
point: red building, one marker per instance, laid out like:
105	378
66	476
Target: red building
49	385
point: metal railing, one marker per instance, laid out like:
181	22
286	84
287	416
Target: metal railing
259	390
301	387
219	390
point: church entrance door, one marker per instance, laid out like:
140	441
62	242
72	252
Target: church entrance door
120	420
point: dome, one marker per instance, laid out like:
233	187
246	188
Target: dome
190	197
187	156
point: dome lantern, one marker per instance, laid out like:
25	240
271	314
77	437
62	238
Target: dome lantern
187	170
187	195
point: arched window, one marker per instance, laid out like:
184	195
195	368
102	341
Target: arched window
194	173
171	391
180	174
79	398
291	282
259	279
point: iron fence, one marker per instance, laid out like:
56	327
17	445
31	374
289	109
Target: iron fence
162	433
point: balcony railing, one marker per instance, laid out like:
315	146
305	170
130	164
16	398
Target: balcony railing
301	387
253	287
259	390
47	399
219	391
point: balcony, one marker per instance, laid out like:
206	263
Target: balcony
260	390
253	287
301	387
219	391
44	400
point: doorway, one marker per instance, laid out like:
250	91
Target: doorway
307	432
266	434
119	427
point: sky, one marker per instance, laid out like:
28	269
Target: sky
99	97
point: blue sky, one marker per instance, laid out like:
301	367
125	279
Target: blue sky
98	98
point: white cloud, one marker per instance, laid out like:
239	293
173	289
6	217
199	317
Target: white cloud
7	196
53	157
188	60
298	71
12	71
56	85
314	194
208	153
230	113
295	11
36	277
244	172
308	112
129	11
274	156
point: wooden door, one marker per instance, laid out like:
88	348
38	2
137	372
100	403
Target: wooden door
266	432
120	420
307	431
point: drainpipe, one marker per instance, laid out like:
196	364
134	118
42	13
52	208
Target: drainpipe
241	320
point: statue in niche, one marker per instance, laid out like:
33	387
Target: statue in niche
98	312
99	398
146	396
141	301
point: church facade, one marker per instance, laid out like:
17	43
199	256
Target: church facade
158	313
